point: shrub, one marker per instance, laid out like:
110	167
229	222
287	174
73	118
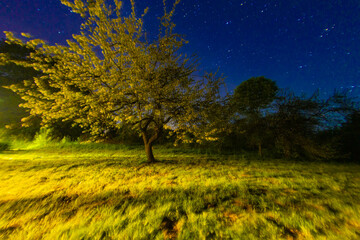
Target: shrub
4	146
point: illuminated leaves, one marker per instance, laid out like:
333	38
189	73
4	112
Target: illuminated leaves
110	75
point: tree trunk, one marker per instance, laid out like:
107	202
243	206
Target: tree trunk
149	152
148	146
260	150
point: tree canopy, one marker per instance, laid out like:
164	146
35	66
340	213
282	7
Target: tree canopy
254	94
249	98
10	73
111	74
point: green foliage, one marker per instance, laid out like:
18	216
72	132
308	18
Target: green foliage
15	130
110	75
60	129
254	94
17	71
4	146
249	101
42	138
11	73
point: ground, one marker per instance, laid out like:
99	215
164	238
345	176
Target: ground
85	192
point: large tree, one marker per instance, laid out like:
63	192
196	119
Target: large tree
249	100
111	74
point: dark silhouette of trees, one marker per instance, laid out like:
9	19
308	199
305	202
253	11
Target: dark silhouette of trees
253	95
249	103
297	122
350	136
290	125
293	124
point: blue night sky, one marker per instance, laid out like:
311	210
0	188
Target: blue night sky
301	44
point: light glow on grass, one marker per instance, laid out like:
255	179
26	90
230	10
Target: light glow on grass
93	192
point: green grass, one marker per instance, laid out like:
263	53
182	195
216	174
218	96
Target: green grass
97	191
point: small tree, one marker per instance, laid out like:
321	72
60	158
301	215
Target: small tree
248	101
111	75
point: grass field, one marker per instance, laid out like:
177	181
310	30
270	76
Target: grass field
85	192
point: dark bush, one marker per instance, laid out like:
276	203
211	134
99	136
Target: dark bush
4	146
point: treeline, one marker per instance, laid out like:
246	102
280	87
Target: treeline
283	124
258	116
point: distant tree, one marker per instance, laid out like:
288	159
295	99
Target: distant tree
350	136
254	94
296	122
111	75
293	123
249	100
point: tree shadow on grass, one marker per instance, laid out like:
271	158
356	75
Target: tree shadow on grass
37	163
194	200
55	205
16	152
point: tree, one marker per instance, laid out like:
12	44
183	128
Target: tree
19	76
249	99
293	123
254	94
297	121
111	74
10	73
350	135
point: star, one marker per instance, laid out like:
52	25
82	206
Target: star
291	42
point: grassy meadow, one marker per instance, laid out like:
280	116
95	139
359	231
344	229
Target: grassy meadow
97	191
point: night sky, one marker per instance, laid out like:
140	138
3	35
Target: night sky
301	44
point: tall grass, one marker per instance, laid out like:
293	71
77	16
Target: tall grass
72	190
